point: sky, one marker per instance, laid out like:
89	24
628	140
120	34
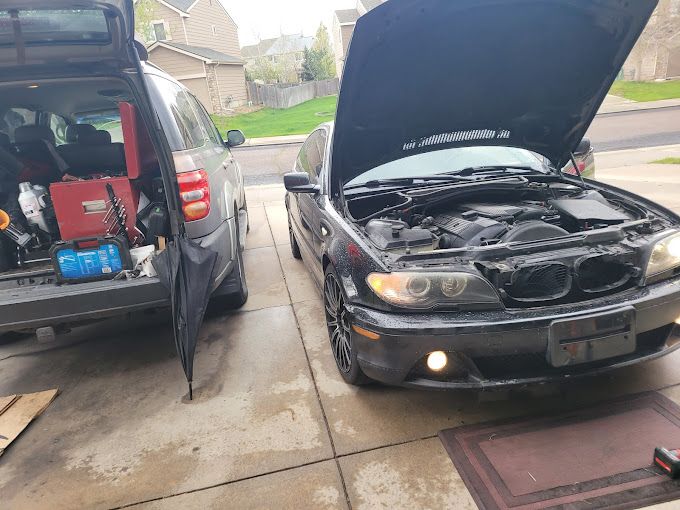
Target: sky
263	19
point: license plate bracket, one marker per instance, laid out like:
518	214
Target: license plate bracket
592	338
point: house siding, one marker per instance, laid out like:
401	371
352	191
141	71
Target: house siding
174	21
674	63
201	18
176	64
232	82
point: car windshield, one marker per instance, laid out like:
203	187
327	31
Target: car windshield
107	120
451	161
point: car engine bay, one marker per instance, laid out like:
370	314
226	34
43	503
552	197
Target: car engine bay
539	242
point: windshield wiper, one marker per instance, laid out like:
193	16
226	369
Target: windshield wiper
492	168
406	181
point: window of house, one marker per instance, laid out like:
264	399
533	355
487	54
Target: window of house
214	29
159	31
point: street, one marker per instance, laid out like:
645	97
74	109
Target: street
609	132
631	130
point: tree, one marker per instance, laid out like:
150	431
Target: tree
319	63
144	14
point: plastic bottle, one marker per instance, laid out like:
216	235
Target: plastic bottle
32	202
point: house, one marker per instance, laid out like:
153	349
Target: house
196	42
287	50
343	28
656	56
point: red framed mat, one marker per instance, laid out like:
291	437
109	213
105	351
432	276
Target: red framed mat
598	457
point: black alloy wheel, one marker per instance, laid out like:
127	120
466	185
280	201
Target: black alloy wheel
339	326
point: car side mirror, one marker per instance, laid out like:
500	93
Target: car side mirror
235	137
583	147
298	182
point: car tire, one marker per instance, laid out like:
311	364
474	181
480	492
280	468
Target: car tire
338	323
294	246
236	299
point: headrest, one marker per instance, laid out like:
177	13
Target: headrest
75	131
4	141
95	138
24	134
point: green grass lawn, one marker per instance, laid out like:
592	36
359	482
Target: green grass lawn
668	161
647	91
299	120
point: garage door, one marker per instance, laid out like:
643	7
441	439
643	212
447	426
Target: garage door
199	88
674	64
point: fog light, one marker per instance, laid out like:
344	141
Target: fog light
437	360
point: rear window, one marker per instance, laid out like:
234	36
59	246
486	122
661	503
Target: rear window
50	26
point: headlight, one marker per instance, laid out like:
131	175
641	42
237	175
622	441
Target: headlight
665	255
426	290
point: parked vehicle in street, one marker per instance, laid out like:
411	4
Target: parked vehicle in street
449	253
103	158
584	157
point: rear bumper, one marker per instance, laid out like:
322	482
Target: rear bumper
504	348
48	305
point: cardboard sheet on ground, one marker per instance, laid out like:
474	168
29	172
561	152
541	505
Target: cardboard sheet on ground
18	411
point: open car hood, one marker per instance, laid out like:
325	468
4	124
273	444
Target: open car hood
424	75
54	33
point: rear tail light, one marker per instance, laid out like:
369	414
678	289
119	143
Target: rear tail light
194	191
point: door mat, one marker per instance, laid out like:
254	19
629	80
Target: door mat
594	458
18	411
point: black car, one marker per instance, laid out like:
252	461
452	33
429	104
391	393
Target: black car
450	253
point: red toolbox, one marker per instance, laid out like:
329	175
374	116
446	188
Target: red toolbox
82	206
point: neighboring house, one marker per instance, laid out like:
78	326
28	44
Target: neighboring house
280	50
196	42
657	54
343	28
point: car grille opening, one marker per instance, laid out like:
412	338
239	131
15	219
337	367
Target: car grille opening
544	282
601	274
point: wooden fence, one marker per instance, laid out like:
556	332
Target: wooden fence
286	96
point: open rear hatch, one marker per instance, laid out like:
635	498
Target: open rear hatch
58	33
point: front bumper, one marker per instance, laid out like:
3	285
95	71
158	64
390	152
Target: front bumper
506	347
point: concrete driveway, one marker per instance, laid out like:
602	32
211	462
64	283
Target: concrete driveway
272	424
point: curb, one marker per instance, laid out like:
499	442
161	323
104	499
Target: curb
275	140
630	109
641	149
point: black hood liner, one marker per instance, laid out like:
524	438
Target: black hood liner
425	75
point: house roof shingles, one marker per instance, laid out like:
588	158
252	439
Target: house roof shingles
182	5
347	15
278	46
206	53
371	4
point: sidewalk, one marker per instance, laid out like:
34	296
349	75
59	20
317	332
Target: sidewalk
616	104
630	157
275	140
